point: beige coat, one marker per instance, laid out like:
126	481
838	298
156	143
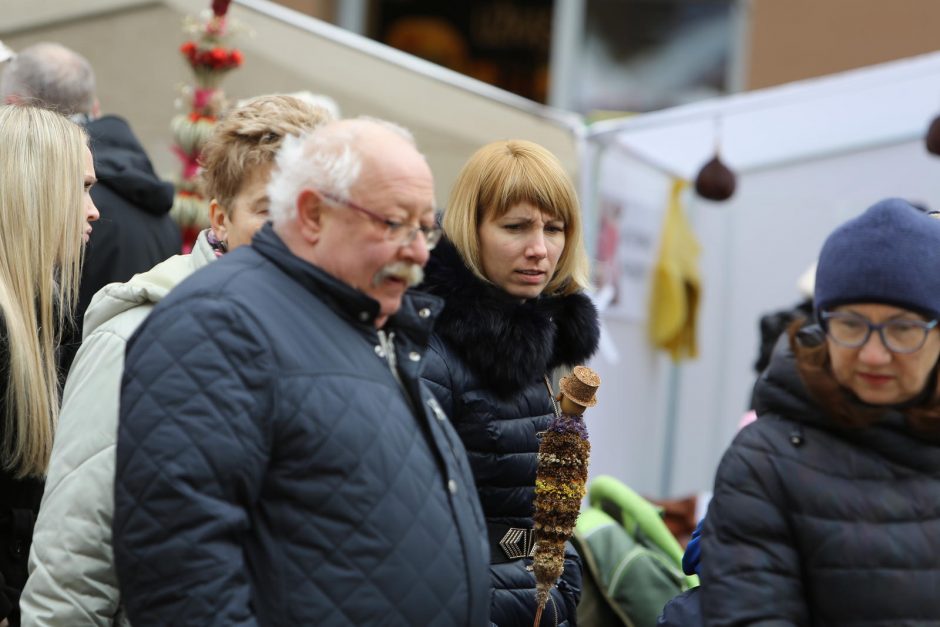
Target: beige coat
72	580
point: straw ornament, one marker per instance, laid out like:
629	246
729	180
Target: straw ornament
560	480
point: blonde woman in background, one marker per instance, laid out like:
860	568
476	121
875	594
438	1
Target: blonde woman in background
72	578
512	271
46	172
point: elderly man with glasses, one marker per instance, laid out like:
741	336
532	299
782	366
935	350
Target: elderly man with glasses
279	460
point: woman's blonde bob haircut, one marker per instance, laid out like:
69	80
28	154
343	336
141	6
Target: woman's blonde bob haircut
42	174
499	176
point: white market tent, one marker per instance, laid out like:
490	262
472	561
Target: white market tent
808	155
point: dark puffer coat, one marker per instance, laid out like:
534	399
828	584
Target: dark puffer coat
486	366
135	231
816	524
19	504
272	471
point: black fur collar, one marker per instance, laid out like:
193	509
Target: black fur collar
507	343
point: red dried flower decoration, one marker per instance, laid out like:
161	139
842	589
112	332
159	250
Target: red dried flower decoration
220	7
216	59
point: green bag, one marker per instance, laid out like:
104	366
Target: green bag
633	564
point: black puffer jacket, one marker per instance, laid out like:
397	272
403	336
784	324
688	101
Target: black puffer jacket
815	524
486	366
19	504
272	471
135	231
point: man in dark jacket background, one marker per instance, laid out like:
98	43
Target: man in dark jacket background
279	461
135	230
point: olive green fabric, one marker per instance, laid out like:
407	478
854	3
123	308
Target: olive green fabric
632	561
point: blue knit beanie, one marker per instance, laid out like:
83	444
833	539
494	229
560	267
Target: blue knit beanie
890	254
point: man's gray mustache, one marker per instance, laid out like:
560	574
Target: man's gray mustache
411	273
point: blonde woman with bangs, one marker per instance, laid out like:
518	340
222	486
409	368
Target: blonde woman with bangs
512	270
72	580
46	172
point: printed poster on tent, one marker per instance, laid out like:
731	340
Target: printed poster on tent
630	204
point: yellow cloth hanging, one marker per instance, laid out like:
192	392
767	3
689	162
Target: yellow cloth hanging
676	282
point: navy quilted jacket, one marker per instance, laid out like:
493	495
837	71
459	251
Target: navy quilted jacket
816	524
270	469
486	366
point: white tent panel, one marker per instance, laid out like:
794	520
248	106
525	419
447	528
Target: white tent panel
627	427
884	104
827	156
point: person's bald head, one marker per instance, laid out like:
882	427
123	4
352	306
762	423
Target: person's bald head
51	76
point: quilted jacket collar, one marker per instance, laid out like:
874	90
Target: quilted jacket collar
505	341
150	287
414	319
780	392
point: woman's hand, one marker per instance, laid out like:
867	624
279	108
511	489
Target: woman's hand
4	623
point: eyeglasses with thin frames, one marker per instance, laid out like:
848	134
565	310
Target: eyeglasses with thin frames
399	232
900	335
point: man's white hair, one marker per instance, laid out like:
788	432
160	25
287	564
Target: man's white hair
327	159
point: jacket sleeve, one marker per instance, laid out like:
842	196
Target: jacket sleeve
192	448
569	587
567	591
6	604
7	595
72	579
513	596
750	566
437	375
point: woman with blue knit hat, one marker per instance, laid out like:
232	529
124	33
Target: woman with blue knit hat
826	510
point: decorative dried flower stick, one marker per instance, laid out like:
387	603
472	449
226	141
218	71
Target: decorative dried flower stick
560	480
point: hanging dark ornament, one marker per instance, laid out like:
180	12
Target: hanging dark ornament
715	181
933	137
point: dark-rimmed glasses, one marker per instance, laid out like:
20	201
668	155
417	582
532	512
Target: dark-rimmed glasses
400	233
898	336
